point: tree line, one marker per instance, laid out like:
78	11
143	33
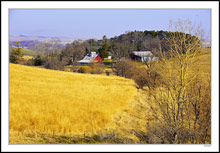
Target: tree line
54	56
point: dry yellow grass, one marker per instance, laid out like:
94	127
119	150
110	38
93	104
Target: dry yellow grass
139	114
27	57
55	102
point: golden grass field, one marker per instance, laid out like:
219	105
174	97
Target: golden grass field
56	102
64	103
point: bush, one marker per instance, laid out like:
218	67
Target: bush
145	77
140	76
124	68
29	62
21	61
74	68
97	68
38	61
154	79
84	69
54	63
107	73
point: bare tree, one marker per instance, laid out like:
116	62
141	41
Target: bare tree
124	68
178	103
73	52
47	47
122	50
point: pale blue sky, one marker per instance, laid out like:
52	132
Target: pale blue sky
96	23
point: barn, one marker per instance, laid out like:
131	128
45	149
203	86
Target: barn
90	58
142	56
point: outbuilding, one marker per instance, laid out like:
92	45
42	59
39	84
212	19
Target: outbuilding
142	56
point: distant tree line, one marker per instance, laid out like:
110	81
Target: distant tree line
55	56
26	43
121	46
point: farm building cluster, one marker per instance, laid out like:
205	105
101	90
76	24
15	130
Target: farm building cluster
139	56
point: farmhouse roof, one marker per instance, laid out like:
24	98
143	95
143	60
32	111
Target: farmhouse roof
89	58
142	53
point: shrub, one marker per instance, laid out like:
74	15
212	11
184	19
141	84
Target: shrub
97	68
54	63
84	69
145	77
21	61
38	61
154	79
74	68
140	77
107	73
29	62
124	68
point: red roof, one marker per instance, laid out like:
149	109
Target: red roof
98	58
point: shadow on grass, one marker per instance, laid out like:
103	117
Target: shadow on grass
100	138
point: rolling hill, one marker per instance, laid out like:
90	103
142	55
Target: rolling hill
52	102
26	52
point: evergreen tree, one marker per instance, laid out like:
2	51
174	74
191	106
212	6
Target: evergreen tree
16	54
103	52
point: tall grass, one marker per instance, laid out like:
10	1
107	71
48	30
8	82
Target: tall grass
55	102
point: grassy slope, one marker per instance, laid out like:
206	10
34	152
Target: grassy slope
204	63
53	102
26	52
139	113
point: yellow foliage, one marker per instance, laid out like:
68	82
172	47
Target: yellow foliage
84	69
56	102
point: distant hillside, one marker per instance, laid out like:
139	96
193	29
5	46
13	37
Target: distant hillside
40	38
30	41
206	44
26	52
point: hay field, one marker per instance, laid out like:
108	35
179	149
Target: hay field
58	103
